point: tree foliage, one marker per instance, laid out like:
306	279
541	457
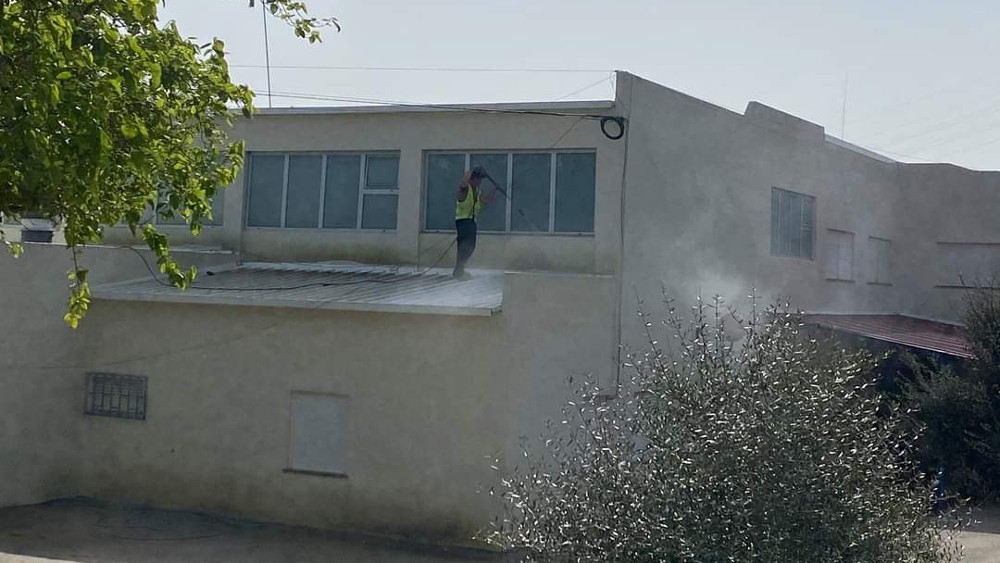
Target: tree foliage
958	404
769	449
106	114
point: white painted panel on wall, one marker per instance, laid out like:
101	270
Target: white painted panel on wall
319	433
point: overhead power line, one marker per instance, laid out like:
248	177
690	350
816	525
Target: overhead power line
423	69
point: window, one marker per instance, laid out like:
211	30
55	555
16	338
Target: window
793	224
318	442
549	192
329	191
839	255
116	396
880	260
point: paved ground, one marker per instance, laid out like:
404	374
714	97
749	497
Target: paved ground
83	531
981	542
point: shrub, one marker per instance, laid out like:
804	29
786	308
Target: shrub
958	405
769	449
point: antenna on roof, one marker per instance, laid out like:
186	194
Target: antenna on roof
267	53
843	113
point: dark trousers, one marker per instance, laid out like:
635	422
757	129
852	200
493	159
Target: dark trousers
466	242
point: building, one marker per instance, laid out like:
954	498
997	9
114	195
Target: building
330	373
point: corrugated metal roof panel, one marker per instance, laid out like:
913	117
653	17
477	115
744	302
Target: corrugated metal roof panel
899	329
336	286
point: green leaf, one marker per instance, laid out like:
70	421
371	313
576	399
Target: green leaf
155	74
130	130
64	75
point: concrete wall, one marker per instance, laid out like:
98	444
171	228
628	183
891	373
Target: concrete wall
42	366
951	234
412	134
697	214
433	399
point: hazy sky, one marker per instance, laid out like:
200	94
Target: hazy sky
922	75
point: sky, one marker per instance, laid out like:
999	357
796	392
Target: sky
915	79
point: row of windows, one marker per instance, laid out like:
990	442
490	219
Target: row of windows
332	191
543	192
548	192
793	234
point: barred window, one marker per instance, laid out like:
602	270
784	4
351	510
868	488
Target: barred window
117	396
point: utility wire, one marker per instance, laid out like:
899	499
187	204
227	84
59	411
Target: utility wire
585	88
427	69
604	119
267	52
385	102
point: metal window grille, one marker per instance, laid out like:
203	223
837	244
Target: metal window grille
117	396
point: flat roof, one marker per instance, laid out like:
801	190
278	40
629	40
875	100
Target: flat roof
514	107
325	286
922	334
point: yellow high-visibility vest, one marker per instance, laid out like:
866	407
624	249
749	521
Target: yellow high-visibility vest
469	207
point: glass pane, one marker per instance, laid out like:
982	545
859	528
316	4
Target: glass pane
785	222
529	192
340	205
492	217
795	225
575	192
379	212
444	172
267	176
775	223
302	207
383	172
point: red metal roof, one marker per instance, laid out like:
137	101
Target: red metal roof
899	329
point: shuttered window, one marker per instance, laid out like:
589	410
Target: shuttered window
880	270
331	191
839	257
793	224
319	434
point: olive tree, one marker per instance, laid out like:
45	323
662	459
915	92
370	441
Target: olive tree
730	439
105	113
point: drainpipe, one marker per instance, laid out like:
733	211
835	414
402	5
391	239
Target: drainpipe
620	277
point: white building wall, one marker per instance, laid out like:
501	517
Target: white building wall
432	398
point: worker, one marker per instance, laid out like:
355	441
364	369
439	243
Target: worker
470	200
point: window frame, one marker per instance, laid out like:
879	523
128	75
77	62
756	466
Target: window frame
507	187
775	250
363	190
839	236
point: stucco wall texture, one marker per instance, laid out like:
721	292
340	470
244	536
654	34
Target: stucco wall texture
683	202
